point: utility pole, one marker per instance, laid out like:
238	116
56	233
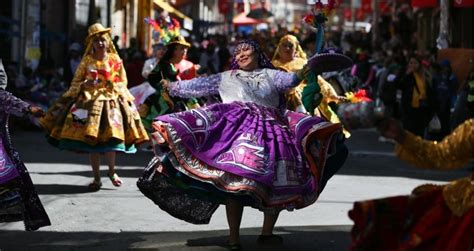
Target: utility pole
354	5
442	40
375	23
24	12
109	13
92	15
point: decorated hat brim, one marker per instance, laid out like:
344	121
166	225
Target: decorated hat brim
181	43
106	30
327	62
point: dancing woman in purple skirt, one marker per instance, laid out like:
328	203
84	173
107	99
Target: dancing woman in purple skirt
19	200
246	151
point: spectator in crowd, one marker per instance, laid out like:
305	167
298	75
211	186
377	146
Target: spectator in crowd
131	50
159	50
417	97
464	105
194	51
363	70
445	85
134	68
209	60
115	42
223	54
387	86
72	62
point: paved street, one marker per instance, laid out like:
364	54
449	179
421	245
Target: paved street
123	219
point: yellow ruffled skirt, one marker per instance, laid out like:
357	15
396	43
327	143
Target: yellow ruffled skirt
100	125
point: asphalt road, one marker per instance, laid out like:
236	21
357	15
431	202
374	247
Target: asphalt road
123	219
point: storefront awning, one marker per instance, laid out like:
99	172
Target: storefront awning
242	19
187	21
170	9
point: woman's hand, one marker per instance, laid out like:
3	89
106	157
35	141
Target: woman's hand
89	83
342	99
392	128
36	111
301	74
165	83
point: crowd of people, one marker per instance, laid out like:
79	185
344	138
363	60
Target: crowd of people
230	126
390	75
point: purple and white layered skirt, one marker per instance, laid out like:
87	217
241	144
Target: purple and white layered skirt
267	159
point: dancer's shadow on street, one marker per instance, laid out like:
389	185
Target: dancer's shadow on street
124	173
327	238
294	238
49	189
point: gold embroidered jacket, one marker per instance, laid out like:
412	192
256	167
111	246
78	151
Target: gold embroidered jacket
454	151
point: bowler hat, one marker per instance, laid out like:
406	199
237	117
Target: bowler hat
330	59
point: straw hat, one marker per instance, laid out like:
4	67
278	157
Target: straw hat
179	40
95	29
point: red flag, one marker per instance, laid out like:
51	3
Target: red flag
347	13
366	6
224	6
463	3
424	3
384	7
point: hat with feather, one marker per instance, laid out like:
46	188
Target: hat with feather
324	59
167	31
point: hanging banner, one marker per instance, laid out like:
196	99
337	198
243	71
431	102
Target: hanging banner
463	3
366	6
224	6
424	3
384	7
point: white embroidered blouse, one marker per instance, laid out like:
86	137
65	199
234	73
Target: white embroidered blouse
261	86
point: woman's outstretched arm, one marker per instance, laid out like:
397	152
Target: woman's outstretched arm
196	87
